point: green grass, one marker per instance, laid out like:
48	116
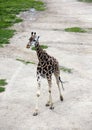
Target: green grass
2	89
8	11
2	83
65	69
5	35
42	46
25	62
86	0
75	29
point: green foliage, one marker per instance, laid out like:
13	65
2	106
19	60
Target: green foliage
2	89
2	83
8	11
65	69
42	46
25	62
75	29
7	20
5	34
86	0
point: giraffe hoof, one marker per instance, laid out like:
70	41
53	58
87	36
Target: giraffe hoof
61	98
47	105
35	113
51	107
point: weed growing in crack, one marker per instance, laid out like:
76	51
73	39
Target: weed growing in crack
2	83
85	0
42	46
75	29
25	62
65	69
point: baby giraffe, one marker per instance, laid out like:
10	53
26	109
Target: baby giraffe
47	65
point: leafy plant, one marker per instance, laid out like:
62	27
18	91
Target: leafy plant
2	89
25	62
2	83
75	29
85	0
42	46
65	69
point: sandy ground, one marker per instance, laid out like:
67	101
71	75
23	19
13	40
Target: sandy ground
73	50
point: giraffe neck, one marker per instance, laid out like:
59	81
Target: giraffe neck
40	52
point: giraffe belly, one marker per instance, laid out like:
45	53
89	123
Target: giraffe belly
46	72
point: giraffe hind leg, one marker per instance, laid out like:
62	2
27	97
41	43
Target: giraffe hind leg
58	83
48	104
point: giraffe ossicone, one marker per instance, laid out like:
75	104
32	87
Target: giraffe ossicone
47	66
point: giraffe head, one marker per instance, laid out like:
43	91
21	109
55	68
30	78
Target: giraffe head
33	40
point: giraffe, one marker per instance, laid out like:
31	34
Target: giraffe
47	65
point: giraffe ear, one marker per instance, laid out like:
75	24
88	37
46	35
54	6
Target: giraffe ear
34	33
31	33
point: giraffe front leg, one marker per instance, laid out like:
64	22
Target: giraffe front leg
50	103
38	95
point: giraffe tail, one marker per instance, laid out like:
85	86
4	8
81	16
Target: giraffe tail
61	82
